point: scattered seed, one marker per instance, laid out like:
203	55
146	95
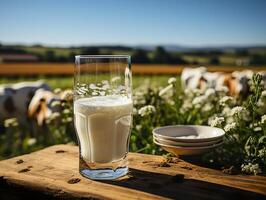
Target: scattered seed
24	170
164	164
20	161
73	180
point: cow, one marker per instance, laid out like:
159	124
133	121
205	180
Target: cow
15	99
237	82
43	104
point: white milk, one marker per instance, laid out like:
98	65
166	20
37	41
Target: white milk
103	127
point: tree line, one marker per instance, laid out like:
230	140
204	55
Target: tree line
157	56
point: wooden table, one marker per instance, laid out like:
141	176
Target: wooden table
53	172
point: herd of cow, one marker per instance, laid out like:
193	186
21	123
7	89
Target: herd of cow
34	100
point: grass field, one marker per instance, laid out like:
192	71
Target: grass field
65	82
59	75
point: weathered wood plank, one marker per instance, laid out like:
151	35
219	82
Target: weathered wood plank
54	172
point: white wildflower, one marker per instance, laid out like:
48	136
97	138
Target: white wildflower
225	100
12	122
222	89
32	141
209	92
237	110
258	128
54	116
251	168
171	80
134	111
230	127
138	127
217	121
66	111
94	93
260	103
207	107
116	78
68	119
67	95
185	106
191	92
93	86
102	93
105	87
82	90
263	119
55	103
262	152
171	102
165	90
139	98
226	111
253	125
57	90
146	110
263	94
105	82
198	101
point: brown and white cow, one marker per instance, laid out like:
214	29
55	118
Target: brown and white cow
236	82
41	106
15	99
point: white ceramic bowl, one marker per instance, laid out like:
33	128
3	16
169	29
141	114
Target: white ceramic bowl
188	150
188	133
186	144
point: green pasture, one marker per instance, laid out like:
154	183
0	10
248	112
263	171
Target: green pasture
66	82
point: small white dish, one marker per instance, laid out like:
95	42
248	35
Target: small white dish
188	150
189	133
186	144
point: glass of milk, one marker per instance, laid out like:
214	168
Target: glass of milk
103	114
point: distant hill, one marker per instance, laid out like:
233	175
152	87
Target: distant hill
179	48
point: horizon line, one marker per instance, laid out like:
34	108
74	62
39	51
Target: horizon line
132	45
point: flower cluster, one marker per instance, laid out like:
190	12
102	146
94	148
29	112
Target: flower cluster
225	100
230	127
217	121
251	168
146	110
12	122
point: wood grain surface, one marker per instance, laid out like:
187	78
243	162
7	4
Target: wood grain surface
53	172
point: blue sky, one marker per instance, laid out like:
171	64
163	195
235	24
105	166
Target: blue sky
85	22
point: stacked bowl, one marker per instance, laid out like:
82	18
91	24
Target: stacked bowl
188	139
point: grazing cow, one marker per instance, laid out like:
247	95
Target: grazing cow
239	85
237	82
192	77
42	105
15	99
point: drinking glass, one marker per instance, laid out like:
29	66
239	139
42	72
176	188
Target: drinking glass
103	114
